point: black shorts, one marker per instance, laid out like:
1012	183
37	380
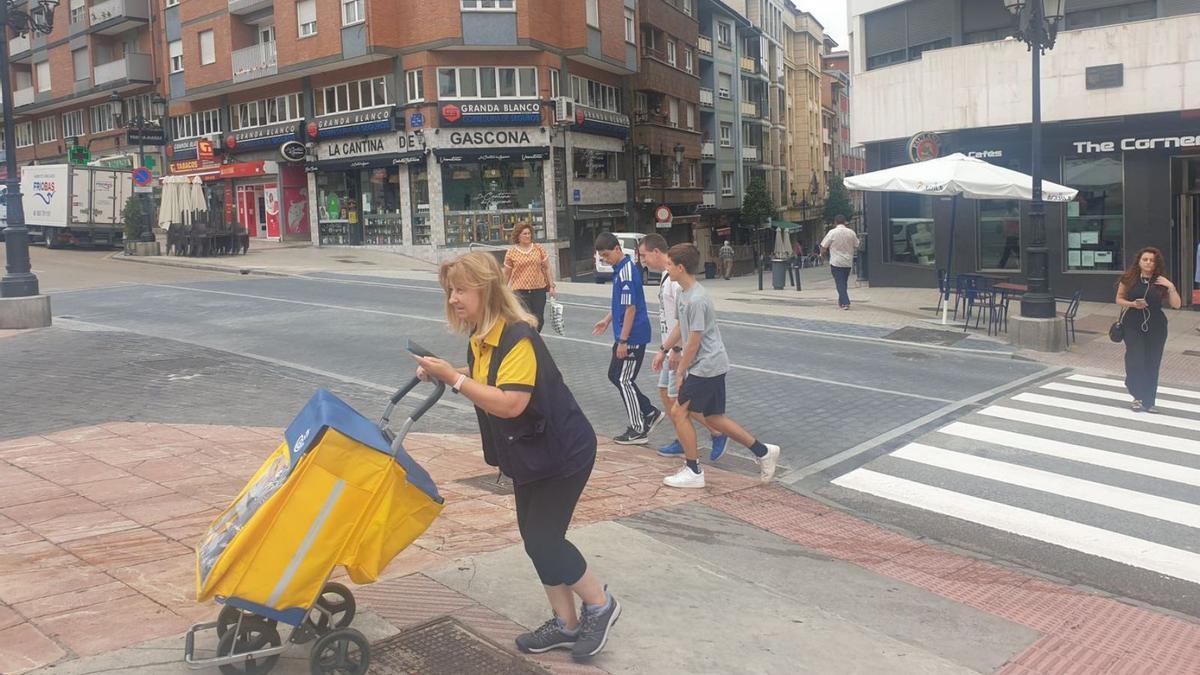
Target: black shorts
704	395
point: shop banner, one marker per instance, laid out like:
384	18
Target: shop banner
491	113
601	122
358	123
451	156
261	137
371	162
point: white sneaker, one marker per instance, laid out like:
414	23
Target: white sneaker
685	478
766	463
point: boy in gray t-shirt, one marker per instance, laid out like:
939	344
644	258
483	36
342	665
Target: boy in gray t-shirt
701	372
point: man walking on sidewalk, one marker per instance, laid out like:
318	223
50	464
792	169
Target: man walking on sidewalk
653	253
726	255
701	374
840	243
631	330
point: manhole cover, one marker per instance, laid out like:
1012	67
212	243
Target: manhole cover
446	647
926	336
491	482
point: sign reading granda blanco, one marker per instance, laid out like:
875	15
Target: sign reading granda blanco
1135	144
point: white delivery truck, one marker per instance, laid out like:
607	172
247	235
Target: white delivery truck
68	204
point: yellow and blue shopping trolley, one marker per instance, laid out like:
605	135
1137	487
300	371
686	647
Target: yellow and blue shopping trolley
340	490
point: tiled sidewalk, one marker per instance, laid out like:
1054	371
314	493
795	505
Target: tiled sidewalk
97	524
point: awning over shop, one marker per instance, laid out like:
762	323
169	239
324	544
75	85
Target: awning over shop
786	225
451	156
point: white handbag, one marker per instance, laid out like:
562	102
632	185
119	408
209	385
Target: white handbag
556	317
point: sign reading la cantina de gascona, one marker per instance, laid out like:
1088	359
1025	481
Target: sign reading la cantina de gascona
381	144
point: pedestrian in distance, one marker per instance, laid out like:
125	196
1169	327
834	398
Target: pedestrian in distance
1142	292
535	432
631	334
839	244
701	375
653	253
527	269
726	254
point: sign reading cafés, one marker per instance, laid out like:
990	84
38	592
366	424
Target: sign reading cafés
1134	144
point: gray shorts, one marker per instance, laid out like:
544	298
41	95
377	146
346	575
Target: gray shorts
666	380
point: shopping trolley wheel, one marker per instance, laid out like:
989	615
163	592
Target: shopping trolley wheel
251	637
335	608
341	652
230	615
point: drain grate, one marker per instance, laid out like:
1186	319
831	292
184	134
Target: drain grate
926	336
488	482
446	647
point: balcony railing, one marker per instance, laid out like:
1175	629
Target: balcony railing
749	152
707	149
749	109
709	199
748	64
18	45
134	67
248	6
23	97
704	45
117	16
254	62
706	96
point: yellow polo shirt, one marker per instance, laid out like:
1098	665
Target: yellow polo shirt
517	372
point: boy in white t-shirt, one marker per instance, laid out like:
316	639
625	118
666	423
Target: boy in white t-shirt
653	253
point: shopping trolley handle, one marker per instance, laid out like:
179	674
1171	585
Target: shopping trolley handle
429	402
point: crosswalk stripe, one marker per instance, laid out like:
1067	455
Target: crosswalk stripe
1109	382
1075	453
1161	508
1116	433
1109	411
1026	523
1118	396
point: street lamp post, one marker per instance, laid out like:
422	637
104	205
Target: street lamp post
141	123
19	280
1037	27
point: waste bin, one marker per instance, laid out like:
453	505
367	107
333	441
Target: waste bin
779	269
710	270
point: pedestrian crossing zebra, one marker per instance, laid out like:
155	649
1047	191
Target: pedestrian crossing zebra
1066	463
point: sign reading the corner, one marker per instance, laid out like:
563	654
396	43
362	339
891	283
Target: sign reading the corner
487	113
1135	144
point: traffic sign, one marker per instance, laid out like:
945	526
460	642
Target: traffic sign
416	120
142	176
662	217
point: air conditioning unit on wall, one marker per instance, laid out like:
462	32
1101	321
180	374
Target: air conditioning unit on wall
564	110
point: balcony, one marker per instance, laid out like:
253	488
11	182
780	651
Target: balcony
706	96
19	48
748	64
704	45
750	153
708	150
708	200
111	17
249	6
661	187
133	68
749	109
254	62
23	97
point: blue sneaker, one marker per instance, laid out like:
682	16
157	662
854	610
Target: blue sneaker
719	443
675	449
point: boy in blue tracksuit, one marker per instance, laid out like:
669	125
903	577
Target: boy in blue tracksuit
631	332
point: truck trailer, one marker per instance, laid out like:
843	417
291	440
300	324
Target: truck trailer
68	204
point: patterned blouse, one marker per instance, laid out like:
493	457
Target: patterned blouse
528	269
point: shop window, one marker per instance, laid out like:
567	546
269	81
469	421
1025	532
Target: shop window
351	96
485	199
488	82
361	206
999	235
910	229
597	164
418	186
1096	218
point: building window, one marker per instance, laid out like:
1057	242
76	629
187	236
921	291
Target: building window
78	11
172	3
47	129
268	111
43	76
1096	219
194	125
671	52
692	181
1107	16
687	60
208	49
416	85
673	112
350	96
487	82
910	229
555	87
725	34
593	13
595	94
175	49
725	85
726	183
82	65
726	134
690	115
999	234
480	5
101	118
72	124
630	27
353	12
24	135
597	164
306	18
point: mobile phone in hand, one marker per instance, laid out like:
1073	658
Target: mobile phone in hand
419	350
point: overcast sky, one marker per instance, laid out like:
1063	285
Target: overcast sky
831	14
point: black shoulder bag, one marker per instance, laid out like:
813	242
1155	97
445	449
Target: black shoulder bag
1116	332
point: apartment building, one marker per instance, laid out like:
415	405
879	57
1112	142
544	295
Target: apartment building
330	121
63	82
1121	124
805	38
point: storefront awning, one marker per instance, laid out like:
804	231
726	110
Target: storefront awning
452	156
786	225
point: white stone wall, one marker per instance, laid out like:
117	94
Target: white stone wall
989	85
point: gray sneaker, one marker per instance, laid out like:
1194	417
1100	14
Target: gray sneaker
594	628
549	635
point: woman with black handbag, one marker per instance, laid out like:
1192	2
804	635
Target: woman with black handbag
1142	292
